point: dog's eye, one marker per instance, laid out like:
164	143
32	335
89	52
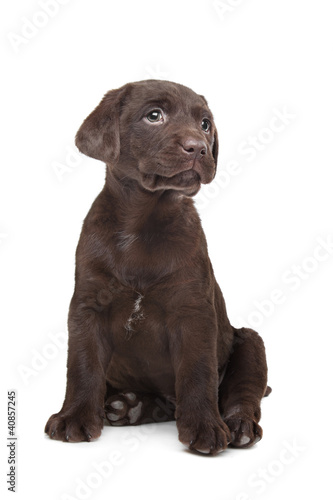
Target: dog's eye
205	125
155	116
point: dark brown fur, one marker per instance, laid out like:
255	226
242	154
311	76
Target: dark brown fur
149	336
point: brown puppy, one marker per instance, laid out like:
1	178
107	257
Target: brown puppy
149	336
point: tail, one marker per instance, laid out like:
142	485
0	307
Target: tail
268	391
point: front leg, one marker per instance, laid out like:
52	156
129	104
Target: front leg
81	416
194	353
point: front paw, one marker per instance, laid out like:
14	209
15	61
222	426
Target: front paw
208	435
75	425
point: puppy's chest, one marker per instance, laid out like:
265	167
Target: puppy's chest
144	257
140	344
137	320
129	316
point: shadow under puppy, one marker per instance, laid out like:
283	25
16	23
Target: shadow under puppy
149	336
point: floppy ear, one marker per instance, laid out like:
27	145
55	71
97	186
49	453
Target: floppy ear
215	147
98	136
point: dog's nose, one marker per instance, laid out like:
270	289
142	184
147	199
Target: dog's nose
194	148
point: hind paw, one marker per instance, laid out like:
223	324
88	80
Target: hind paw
123	409
245	432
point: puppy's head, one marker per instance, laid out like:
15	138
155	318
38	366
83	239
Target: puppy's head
159	133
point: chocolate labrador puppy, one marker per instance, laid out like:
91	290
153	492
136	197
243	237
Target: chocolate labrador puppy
149	336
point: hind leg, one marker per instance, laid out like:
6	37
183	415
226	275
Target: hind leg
242	388
134	408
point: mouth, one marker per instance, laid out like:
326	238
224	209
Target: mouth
188	181
187	177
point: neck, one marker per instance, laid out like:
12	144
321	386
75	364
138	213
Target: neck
153	233
135	206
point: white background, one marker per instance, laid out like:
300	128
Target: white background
250	59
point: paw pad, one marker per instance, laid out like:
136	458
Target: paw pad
123	409
245	432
